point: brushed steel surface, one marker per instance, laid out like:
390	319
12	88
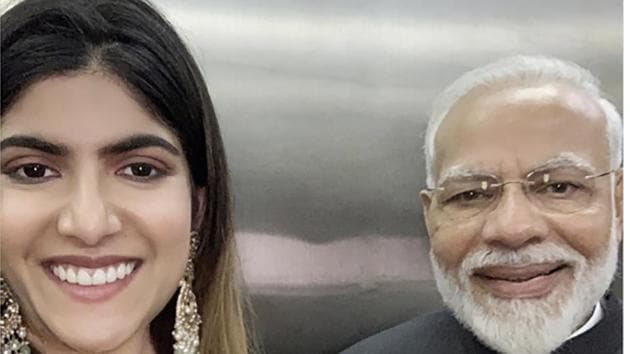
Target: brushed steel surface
322	105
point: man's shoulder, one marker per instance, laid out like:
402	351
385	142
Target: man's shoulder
430	333
605	337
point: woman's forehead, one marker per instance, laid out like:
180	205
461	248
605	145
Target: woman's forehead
81	110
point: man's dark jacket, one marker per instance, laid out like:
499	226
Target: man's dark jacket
441	333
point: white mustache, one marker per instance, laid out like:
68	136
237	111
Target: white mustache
547	252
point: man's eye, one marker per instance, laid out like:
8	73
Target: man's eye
559	188
469	196
141	171
31	173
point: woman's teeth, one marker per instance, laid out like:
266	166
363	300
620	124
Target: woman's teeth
92	276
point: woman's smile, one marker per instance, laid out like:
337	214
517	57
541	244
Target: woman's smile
91	280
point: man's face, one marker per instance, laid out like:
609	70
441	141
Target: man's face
539	256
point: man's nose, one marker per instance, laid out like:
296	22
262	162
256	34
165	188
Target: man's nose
515	222
87	216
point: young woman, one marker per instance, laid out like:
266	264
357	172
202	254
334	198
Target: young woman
116	230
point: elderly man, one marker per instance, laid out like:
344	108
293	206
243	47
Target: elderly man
523	210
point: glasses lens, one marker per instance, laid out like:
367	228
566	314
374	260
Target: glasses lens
464	199
564	190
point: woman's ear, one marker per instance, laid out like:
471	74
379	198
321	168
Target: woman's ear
199	205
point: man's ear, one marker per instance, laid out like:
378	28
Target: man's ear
425	199
619	203
199	205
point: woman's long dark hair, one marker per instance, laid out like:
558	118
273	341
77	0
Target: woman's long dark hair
130	40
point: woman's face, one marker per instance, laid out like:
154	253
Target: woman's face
95	213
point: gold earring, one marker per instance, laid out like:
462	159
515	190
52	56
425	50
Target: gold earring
187	319
12	331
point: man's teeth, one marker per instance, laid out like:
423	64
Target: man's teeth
92	276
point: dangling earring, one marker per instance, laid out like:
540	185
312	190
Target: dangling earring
187	319
12	331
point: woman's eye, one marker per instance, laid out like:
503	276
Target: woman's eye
32	173
141	171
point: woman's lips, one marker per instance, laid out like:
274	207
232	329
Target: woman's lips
521	282
87	267
89	262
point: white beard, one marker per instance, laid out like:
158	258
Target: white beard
527	326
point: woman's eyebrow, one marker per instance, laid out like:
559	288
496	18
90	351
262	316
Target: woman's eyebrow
36	143
138	142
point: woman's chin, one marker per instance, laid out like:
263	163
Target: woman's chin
97	336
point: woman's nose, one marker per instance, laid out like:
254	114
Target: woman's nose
87	215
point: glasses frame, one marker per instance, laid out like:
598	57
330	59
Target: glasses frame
524	182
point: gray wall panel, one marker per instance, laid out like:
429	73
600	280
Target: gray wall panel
322	105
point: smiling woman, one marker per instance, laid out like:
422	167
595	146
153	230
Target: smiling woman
116	229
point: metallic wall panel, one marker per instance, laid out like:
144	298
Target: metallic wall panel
322	105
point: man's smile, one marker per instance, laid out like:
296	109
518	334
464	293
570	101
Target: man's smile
519	282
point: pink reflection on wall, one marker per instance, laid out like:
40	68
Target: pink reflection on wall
281	261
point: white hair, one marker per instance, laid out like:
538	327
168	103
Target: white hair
526	69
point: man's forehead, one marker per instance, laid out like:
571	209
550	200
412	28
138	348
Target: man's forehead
572	98
528	122
469	109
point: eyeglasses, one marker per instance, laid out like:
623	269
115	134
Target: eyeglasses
563	190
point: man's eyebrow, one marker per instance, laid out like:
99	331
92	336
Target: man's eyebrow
35	143
565	159
138	142
462	171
